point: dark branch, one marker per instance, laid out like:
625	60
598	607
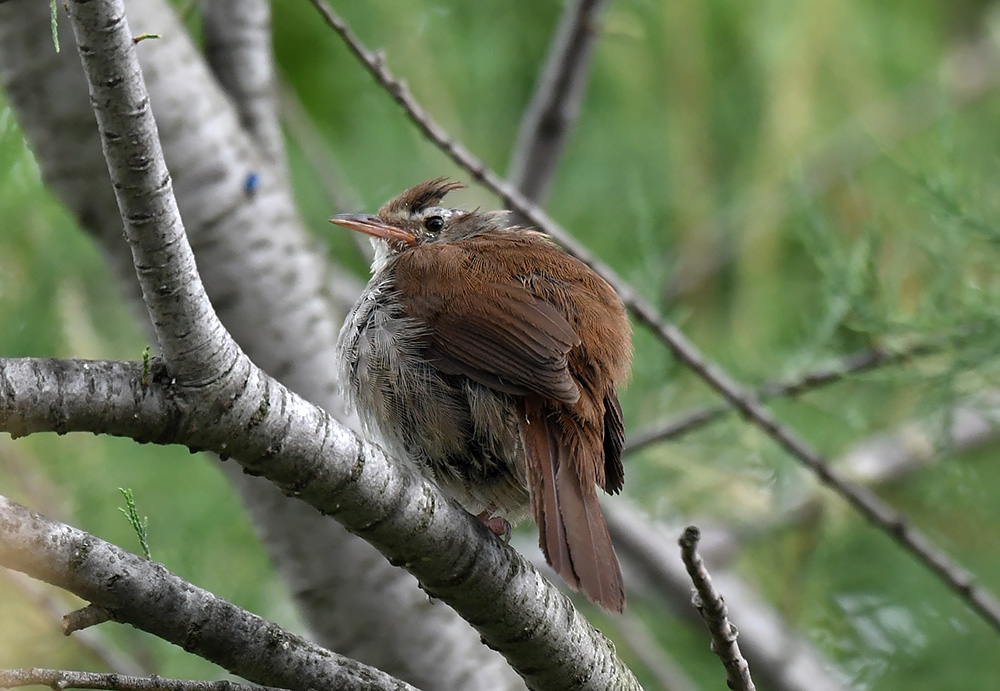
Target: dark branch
784	659
713	610
855	363
555	105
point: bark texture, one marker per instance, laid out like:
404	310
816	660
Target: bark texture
269	286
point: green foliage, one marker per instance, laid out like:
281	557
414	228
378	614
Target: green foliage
139	525
145	366
53	9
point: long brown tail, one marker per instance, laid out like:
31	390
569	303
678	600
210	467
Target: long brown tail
562	461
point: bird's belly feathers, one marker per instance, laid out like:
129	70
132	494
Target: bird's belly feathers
464	435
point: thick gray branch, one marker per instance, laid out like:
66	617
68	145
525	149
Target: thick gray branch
102	397
144	594
196	345
274	433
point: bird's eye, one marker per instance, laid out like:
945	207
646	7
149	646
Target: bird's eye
434	224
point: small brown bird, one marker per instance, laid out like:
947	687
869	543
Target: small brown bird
489	357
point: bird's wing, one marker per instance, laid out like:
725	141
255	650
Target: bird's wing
486	324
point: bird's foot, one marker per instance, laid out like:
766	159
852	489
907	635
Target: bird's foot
497	525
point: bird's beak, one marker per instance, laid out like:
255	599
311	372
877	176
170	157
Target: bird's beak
376	227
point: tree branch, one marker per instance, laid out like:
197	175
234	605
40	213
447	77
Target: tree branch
855	363
555	105
191	337
103	397
876	511
84	618
782	656
309	456
68	679
144	594
713	610
238	49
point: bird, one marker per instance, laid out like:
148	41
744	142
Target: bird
489	358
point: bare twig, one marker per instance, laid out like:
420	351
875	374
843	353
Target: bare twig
84	618
784	659
90	640
69	679
555	104
713	610
880	514
855	363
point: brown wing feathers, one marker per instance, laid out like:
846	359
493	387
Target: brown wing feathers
524	342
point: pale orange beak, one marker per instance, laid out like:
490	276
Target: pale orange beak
376	227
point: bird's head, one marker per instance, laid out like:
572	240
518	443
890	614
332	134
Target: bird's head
414	218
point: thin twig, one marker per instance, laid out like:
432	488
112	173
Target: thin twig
84	618
555	105
713	610
90	640
855	363
70	679
784	658
883	516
